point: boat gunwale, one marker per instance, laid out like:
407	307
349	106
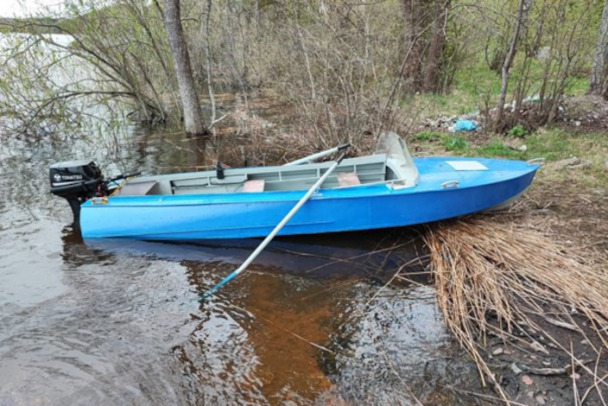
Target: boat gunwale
289	195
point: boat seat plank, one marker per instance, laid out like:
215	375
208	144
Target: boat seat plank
256	185
135	188
348	179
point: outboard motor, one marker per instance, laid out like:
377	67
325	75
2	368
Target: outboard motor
77	181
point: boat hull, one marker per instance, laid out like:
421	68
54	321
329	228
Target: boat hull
247	215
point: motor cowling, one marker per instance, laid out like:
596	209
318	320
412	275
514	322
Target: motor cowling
76	181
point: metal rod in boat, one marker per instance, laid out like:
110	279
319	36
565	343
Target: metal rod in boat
314	157
274	232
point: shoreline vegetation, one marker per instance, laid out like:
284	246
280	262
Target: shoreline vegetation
523	291
348	70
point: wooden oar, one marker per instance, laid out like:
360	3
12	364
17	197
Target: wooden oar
274	232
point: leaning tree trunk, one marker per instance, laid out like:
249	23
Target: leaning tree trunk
193	118
599	71
522	14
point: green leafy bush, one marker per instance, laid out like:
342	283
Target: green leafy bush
517	131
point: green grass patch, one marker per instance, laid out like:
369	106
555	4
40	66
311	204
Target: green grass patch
455	143
498	149
428	136
553	145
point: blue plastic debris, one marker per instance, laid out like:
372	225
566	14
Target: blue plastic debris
464	125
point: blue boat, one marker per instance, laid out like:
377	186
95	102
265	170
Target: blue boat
386	189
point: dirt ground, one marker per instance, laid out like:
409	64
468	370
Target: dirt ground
577	217
573	214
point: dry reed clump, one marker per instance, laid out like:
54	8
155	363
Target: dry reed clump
494	278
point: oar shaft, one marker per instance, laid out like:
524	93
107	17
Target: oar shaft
275	231
318	155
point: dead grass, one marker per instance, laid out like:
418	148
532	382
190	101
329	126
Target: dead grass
493	278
